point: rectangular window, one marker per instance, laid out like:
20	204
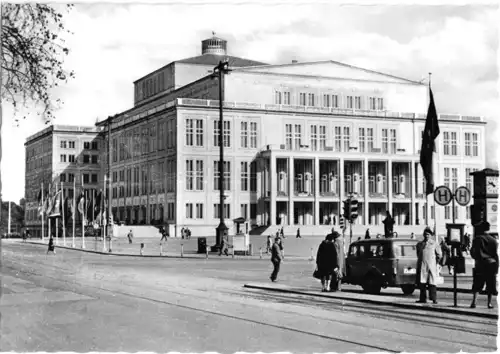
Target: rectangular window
454	179
86	145
468	144
189	210
199	211
253	177
189	175
447	177
253	135
227	214
385	141
314	138
227	133
244	211
71	177
286	98
94	159
302	99
393	141
199	132
63	144
244	176
361	139
152	138
373	103
161	135
357	102
347	138
288	136
475	146
338	138
326	101
277	97
86	158
71	144
310	99
244	134
227	175
369	139
468	179
447	212
145	143
94	177
189	132
253	211
349	102
63	158
454	144
62	177
322	137
95	145
199	175
380	104
446	143
297	136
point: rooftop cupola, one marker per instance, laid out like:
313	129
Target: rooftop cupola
214	45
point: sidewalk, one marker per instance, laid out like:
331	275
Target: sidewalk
445	304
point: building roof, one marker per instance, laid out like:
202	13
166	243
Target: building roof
213	59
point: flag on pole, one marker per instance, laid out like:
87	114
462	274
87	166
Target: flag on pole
56	205
430	133
81	203
39	198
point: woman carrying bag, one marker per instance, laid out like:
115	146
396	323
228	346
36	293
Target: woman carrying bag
326	262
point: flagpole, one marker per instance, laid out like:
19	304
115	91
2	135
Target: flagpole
103	223
48	211
83	215
63	216
74	211
43	213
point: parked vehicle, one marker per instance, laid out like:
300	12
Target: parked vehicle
380	263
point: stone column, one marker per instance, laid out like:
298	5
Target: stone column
366	219
389	186
273	188
413	185
316	191
291	181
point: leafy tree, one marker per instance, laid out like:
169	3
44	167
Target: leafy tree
33	52
32	55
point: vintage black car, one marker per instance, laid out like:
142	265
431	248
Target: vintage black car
380	263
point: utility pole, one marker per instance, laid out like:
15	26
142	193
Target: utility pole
221	230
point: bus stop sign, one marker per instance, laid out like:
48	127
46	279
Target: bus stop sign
462	196
442	195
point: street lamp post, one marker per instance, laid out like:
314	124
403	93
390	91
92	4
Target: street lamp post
221	230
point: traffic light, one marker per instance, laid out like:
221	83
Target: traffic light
345	213
342	222
353	210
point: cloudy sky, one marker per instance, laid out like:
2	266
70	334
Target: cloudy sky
114	44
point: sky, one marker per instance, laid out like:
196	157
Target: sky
115	44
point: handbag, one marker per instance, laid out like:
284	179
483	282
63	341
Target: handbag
316	274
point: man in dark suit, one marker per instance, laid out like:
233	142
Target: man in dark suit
484	252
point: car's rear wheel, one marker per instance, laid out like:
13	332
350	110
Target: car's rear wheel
408	289
372	284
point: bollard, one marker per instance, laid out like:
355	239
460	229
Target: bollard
206	252
182	250
232	253
161	249
142	248
260	251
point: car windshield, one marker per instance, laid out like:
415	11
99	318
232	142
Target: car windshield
405	250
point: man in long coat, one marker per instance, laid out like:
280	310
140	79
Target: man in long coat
428	255
339	248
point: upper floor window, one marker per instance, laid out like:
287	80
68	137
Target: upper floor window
253	177
330	101
71	144
349	102
310	99
357	102
63	144
297	137
362	140
393	141
94	158
302	99
447	177
86	145
62	177
227	133
253	135
63	158
71	177
376	103
454	144
446	143
145	142
282	97
95	145
347	138
475	146
244	176
199	132
152	138
385	141
288	136
244	134
454	179
227	175
314	137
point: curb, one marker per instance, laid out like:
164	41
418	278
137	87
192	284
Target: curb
379	302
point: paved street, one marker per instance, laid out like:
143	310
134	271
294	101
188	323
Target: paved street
77	301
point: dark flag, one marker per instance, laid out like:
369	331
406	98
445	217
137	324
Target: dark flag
66	209
430	133
97	208
39	198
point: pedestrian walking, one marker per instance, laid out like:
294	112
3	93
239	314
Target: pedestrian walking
326	262
182	233
338	242
276	259
467	241
269	244
223	247
446	256
298	233
388	225
51	247
282	232
484	252
428	255
130	236
367	234
142	249
163	234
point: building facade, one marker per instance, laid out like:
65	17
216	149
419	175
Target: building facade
61	155
298	139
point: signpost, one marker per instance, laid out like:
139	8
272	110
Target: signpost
443	196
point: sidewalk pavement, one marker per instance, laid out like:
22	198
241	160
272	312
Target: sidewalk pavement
389	297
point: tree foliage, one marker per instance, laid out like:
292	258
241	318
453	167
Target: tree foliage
33	52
